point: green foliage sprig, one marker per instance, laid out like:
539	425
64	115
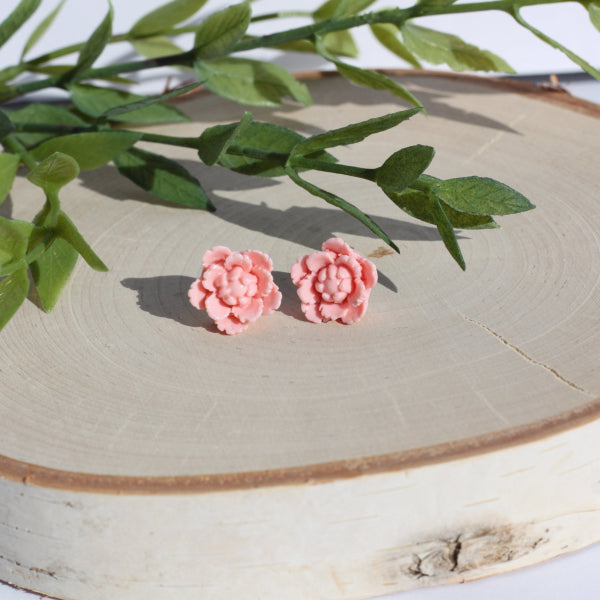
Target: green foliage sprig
54	143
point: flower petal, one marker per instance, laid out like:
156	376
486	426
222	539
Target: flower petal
264	281
210	275
310	312
369	272
332	312
350	263
337	245
272	301
215	255
238	259
359	293
215	308
299	270
355	313
197	294
306	291
231	325
250	312
317	260
260	259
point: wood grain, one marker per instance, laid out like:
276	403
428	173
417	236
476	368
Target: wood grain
127	404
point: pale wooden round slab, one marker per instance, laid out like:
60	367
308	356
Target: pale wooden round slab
454	432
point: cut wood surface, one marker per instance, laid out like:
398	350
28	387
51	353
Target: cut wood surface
454	432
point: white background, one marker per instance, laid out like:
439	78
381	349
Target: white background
571	577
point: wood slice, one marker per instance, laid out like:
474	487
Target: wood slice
453	433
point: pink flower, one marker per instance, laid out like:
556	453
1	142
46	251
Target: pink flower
235	288
334	284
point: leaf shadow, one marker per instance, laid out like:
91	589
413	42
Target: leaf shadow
166	296
107	181
435	95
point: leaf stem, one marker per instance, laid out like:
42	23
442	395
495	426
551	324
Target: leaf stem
59	129
170	140
322	165
278	158
281	15
181	59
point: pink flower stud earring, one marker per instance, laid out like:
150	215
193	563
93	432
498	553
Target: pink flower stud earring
235	288
334	284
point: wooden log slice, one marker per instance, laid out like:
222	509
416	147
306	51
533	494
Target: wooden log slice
453	433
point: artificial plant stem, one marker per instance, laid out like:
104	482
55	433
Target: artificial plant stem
182	59
54	204
395	16
278	158
53	128
421	10
281	15
170	140
322	165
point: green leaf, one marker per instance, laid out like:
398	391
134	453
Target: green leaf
340	43
6	125
97	102
435	3
16	18
163	178
387	35
428	208
13	291
90	150
338	202
9	73
375	81
402	168
58	70
54	172
250	82
270	138
137	106
351	134
219	33
214	141
574	57
14	238
594	12
42	113
326	10
93	47
9	163
418	204
297	46
437	47
155	46
164	17
341	8
446	231
67	231
41	29
481	196
52	270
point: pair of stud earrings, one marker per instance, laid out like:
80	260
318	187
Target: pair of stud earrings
236	288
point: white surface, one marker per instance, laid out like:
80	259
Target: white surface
575	576
570	577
